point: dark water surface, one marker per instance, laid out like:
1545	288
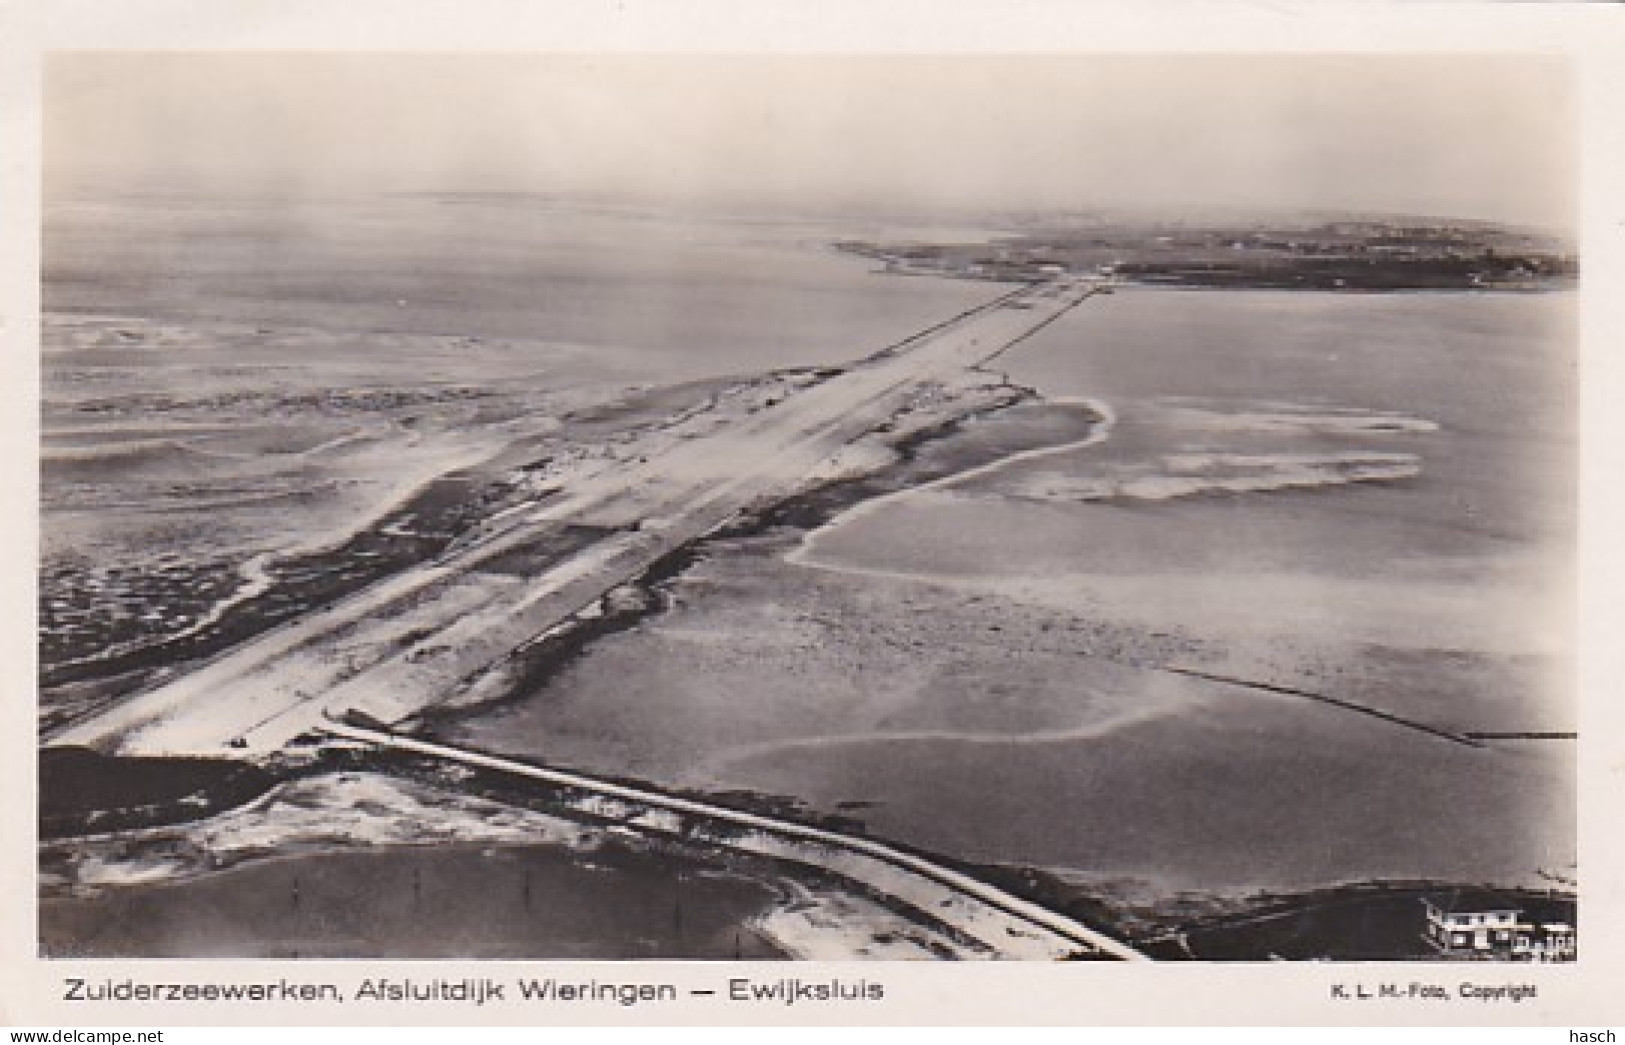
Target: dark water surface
457	902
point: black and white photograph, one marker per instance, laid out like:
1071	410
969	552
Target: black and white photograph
739	507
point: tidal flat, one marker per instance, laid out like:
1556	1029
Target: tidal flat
1366	498
1193	615
234	390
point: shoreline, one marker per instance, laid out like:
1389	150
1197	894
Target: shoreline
1201	927
435	806
809	510
904	450
404	528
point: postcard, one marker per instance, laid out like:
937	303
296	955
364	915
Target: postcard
1020	513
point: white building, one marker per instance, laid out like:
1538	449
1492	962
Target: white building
1467	927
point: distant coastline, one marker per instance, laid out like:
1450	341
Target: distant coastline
1352	255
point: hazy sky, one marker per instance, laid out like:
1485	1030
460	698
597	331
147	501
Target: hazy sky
1468	136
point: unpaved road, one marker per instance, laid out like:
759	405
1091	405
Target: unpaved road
405	643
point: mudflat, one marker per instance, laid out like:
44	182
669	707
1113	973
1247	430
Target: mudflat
1366	498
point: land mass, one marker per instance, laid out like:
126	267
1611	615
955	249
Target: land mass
1353	254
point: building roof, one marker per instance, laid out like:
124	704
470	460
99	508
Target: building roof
1472	901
